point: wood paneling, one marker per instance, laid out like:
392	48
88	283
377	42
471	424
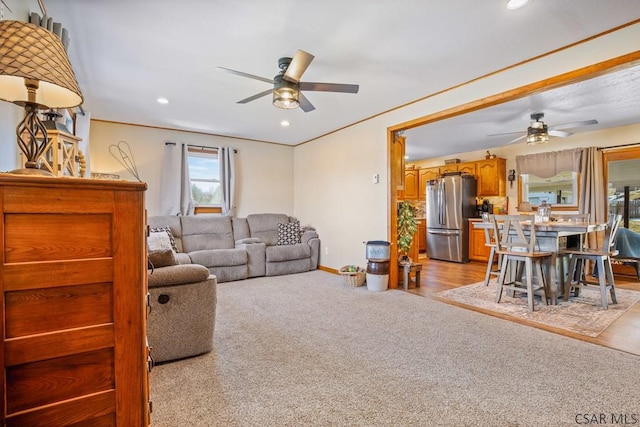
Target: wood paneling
37	311
52	237
44	382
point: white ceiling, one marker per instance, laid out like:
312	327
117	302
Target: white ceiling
126	53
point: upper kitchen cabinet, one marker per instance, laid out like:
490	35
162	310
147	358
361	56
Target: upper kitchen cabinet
411	184
468	167
491	175
426	175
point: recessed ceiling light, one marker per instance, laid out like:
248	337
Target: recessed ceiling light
284	123
162	100
516	4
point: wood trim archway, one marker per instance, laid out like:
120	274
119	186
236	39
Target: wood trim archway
396	151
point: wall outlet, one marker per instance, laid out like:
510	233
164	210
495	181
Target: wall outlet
376	178
326	250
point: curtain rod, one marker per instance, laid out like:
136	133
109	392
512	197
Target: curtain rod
619	146
197	146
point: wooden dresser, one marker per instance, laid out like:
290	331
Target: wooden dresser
73	279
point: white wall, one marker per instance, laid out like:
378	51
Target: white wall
265	171
333	189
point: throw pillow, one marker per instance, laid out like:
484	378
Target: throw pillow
160	252
288	233
167	230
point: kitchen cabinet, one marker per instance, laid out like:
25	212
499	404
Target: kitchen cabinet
468	167
452	167
73	276
478	251
425	175
491	176
422	235
411	184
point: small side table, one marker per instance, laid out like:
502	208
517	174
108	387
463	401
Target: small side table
414	267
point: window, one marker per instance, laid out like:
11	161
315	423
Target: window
623	185
204	174
558	190
551	177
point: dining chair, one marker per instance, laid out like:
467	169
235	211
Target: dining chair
571	243
519	252
490	240
601	256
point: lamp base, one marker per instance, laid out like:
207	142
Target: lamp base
31	171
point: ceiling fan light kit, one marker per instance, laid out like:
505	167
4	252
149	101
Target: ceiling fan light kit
538	132
285	94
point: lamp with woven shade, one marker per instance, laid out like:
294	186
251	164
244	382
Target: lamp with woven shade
35	73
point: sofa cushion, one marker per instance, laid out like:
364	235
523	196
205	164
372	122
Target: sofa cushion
288	233
160	252
201	232
288	252
219	257
240	228
265	226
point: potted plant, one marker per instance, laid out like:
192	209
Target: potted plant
407	227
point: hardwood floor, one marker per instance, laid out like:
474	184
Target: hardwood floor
623	334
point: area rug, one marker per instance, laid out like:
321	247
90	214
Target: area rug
582	315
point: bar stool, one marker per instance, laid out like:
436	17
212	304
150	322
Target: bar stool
602	257
519	253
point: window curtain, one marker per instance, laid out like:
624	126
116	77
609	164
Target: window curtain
551	163
593	199
175	187
226	159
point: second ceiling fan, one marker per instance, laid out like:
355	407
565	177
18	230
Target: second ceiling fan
287	87
539	132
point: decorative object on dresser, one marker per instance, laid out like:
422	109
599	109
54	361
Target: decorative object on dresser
74	283
35	73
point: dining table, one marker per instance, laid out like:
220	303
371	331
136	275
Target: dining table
555	236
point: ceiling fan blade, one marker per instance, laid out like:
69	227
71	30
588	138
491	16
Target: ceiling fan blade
305	104
517	139
560	133
298	66
256	96
574	125
507	133
241	74
329	87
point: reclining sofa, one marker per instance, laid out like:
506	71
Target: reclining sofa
235	248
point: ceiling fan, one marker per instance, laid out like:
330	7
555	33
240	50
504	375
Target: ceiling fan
287	86
538	132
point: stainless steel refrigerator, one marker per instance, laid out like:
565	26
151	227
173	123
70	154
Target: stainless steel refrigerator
451	201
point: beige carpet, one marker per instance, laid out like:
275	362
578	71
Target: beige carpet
582	315
306	350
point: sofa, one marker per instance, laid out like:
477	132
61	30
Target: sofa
235	248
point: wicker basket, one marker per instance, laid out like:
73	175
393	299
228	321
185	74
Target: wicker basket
353	278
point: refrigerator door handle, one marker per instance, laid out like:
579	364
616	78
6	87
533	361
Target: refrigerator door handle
441	203
444	232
